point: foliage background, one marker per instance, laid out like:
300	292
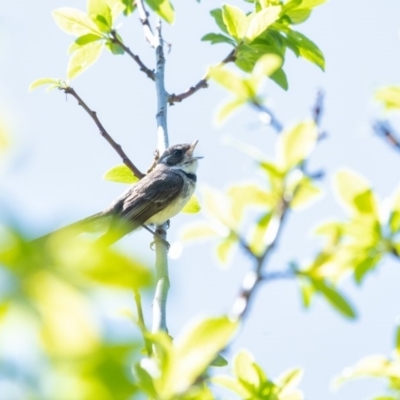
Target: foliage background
52	175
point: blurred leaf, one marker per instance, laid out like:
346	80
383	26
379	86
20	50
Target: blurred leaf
219	361
266	65
215	38
244	369
129	5
114	48
302	10
194	350
235	21
394	218
75	22
198	230
228	108
305	194
47	81
258	242
120	173
389	96
192	206
261	20
163	8
296	144
230	384
247	195
225	247
397	342
355	193
288	381
336	299
83	58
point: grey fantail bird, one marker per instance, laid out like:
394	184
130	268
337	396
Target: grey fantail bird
157	197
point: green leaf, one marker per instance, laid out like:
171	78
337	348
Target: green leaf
83	58
192	206
389	96
228	108
306	48
336	299
280	78
217	15
235	21
224	249
75	22
231	384
129	6
305	194
288	381
260	21
100	13
195	348
397	342
365	265
54	82
198	230
82	41
219	361
301	10
105	265
296	144
163	8
120	173
355	193
217	38
114	48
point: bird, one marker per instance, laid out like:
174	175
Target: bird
154	199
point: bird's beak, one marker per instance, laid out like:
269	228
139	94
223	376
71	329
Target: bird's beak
191	150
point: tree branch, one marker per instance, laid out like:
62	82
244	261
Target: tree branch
115	39
201	84
385	130
117	147
163	284
144	19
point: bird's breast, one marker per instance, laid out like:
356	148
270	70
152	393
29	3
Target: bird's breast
174	207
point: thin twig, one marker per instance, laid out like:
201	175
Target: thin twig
117	147
140	321
257	275
201	84
272	119
115	39
144	19
384	129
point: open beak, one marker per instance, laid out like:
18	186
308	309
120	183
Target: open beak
191	150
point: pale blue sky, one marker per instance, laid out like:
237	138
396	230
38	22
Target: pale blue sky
52	176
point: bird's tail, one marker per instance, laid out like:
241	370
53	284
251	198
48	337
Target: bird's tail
99	222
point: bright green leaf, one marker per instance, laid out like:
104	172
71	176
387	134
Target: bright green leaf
260	21
288	381
231	384
296	144
217	38
228	108
82	41
280	78
47	81
198	230
397	342
192	206
355	193
121	174
389	96
75	22
163	8
336	299
224	249
100	13
235	21
195	348
83	58
217	15
305	194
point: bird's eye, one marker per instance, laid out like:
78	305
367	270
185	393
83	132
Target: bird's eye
177	153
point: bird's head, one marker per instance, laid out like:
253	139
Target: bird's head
180	156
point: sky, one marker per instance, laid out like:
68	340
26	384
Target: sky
52	174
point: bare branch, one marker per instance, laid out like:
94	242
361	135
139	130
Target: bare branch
144	19
160	240
201	84
117	147
383	129
115	39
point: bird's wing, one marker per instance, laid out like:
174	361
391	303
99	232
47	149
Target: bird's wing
151	196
